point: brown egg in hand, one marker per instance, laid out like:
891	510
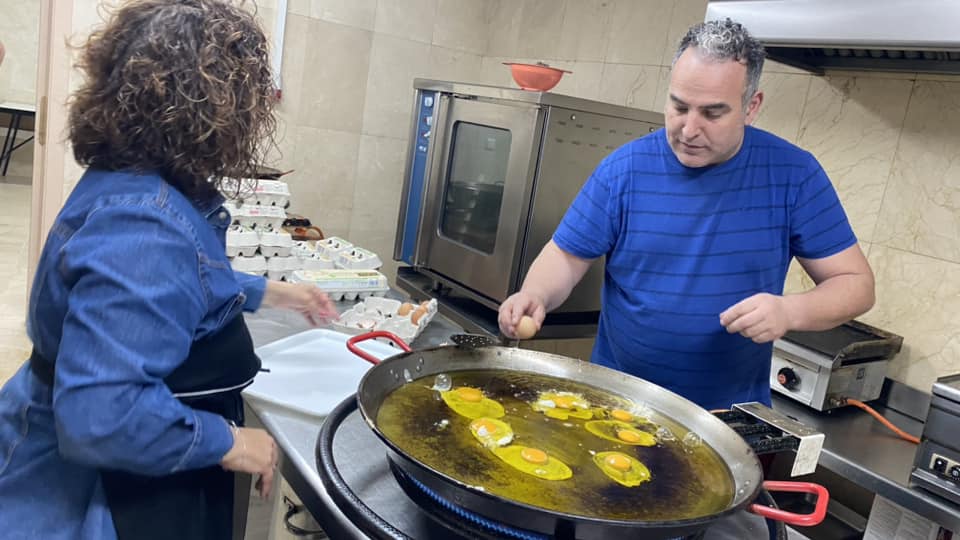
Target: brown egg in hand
526	328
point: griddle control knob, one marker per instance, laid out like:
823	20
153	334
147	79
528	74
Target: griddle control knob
788	378
955	473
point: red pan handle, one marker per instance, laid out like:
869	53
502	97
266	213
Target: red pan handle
352	344
801	520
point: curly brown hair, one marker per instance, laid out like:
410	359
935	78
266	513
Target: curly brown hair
181	87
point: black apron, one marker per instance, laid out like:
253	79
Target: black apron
195	504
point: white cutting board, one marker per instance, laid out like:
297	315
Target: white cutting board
312	372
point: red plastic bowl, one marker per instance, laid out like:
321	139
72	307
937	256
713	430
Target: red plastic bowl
536	77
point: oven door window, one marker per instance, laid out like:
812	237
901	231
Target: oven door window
473	192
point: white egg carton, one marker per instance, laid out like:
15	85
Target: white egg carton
256	265
242	241
257	217
342	284
317	261
332	246
281	268
357	258
277	243
272	193
384	314
265	192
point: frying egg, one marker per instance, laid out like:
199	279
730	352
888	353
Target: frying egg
622	468
621	415
621	432
562	405
471	402
405	309
491	432
534	461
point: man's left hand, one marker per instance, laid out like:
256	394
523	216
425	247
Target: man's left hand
762	317
304	298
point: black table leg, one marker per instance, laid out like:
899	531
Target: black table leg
15	122
8	140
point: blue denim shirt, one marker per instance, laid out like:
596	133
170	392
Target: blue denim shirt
132	273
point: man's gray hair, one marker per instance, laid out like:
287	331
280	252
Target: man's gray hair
727	40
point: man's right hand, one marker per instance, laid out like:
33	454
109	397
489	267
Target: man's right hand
515	307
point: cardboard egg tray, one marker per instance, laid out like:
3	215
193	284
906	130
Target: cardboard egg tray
265	193
385	314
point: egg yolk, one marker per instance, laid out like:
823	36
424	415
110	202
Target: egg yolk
491	433
618	461
469	394
621	415
621	432
622	468
564	402
483	424
534	455
470	402
533	461
562	405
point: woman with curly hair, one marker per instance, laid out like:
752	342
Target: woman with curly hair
124	421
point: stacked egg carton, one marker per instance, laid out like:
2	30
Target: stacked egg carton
256	241
345	272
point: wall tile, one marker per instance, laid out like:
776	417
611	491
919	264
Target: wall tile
296	36
299	7
357	13
461	24
379	184
394	64
686	13
503	34
19	30
782	107
918	298
322	187
772	66
581	82
408	19
453	65
335	76
663	90
541	23
493	72
921	207
631	85
638	34
585	32
851	125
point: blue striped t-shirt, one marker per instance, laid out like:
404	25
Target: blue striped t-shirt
682	245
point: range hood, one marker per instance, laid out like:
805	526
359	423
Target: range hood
875	35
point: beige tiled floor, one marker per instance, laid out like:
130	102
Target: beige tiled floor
14	231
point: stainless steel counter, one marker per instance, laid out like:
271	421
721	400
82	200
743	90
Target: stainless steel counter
856	447
865	452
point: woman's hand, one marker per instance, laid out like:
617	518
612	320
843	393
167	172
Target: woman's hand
304	298
254	451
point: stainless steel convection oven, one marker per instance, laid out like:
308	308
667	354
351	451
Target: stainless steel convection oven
490	172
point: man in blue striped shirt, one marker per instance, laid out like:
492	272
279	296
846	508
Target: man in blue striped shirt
698	223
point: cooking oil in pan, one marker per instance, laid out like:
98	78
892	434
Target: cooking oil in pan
688	478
